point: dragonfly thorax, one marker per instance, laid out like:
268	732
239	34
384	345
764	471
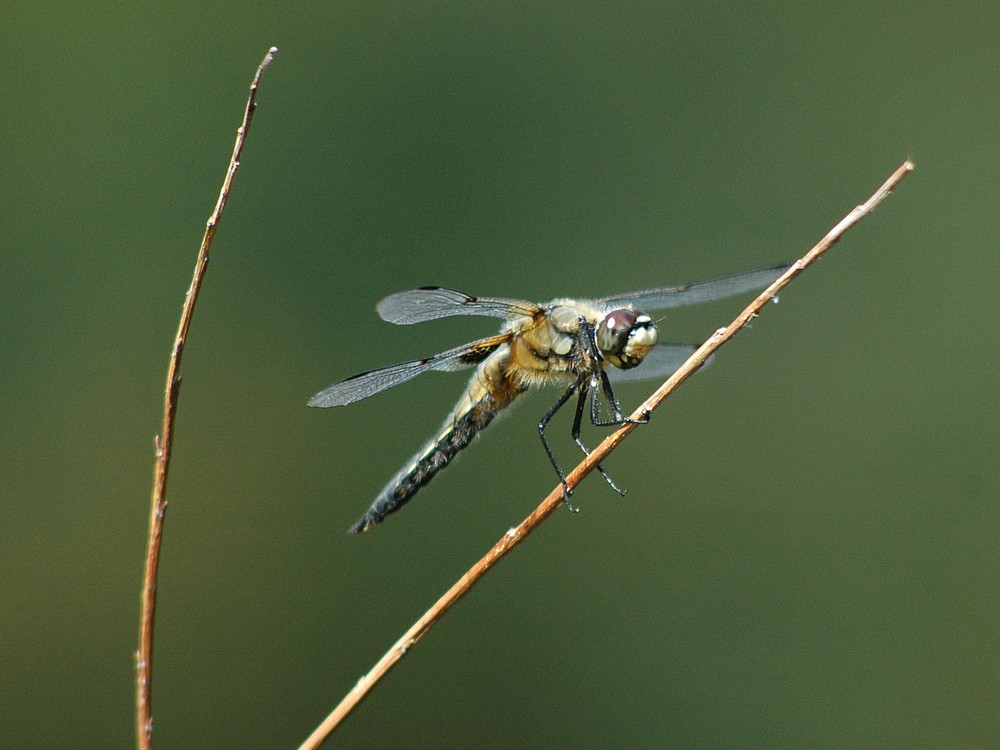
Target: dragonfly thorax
625	337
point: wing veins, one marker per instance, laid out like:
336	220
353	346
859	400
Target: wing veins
365	384
433	302
668	297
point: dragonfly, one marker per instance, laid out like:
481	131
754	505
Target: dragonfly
585	345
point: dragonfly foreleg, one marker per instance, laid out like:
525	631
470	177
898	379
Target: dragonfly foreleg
617	416
588	390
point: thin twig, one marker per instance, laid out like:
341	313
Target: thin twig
516	535
164	442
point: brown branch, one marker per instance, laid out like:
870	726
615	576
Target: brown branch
164	442
515	536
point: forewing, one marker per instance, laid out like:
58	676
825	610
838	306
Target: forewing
661	362
433	302
369	383
668	297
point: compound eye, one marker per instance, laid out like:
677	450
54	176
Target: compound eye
613	332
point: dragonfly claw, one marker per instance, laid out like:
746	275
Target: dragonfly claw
566	492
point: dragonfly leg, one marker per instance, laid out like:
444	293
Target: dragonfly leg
617	416
543	423
578	418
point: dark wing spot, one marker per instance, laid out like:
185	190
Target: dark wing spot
476	355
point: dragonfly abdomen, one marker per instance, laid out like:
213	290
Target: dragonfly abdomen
458	433
489	390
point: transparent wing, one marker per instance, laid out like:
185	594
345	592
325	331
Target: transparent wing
668	297
661	362
433	302
369	383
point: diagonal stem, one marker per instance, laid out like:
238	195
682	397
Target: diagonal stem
516	535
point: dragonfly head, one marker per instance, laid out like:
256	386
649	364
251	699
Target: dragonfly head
625	337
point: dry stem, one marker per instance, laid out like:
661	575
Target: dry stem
515	536
164	443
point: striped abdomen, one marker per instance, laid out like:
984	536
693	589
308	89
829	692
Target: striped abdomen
489	391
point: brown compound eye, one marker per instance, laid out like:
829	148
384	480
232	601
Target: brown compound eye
613	332
625	336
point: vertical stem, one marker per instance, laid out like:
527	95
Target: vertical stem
164	443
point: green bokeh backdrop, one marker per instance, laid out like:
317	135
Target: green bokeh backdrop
809	552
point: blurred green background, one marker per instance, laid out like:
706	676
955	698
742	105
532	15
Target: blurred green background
809	552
